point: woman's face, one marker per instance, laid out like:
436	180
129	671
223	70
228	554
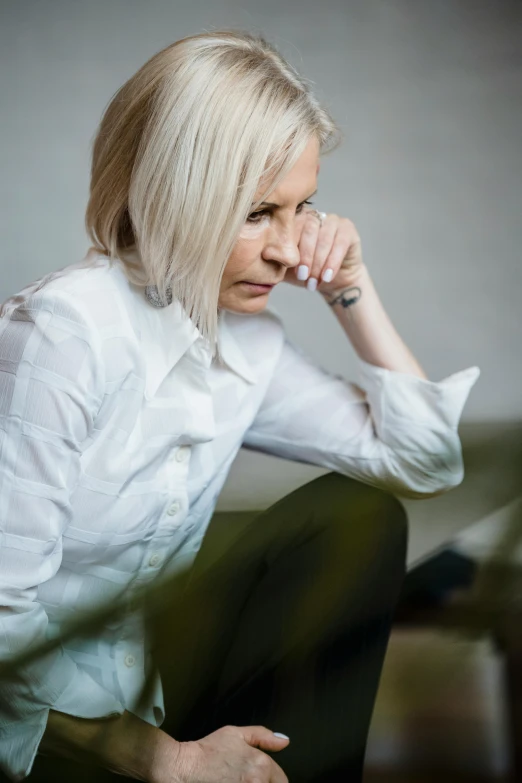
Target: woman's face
267	244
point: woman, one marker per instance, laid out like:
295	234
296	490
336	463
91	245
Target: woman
129	382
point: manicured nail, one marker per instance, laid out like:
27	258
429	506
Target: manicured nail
302	272
327	275
278	734
312	284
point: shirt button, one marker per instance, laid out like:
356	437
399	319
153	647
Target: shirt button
173	509
130	660
155	560
182	453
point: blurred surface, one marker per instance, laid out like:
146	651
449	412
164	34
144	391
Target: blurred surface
439	710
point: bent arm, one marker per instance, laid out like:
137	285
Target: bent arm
124	744
394	430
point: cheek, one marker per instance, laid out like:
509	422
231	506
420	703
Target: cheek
247	251
253	231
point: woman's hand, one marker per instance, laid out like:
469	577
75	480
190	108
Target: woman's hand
233	754
334	246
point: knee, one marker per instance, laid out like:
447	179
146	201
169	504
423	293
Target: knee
349	503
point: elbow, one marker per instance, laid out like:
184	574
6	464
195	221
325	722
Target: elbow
431	476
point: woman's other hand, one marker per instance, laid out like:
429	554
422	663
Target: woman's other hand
232	753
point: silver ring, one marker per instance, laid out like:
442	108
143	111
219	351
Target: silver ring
321	216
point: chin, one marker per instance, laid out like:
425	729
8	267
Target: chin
254	304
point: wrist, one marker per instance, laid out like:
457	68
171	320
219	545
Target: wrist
351	290
139	750
169	762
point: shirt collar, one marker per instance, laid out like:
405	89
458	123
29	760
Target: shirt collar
232	354
167	334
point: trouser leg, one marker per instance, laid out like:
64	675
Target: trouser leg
288	627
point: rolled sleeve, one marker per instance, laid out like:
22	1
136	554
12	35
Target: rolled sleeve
51	387
417	420
391	430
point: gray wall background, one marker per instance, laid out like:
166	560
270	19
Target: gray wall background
429	96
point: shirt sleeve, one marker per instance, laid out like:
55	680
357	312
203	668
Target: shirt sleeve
392	430
51	386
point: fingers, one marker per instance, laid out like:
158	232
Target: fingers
263	738
236	753
326	240
323	248
314	246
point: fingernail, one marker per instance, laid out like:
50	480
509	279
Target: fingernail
278	734
302	272
327	276
312	284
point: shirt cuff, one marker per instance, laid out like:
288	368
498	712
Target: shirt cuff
397	397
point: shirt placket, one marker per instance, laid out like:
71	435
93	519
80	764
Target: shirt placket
130	649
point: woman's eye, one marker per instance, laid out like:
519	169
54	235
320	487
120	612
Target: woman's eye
255	217
300	207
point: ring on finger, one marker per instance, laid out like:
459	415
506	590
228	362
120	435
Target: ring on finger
321	216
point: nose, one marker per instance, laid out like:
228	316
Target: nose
281	246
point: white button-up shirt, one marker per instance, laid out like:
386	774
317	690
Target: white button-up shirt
117	432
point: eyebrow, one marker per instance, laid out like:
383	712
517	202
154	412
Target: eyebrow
271	204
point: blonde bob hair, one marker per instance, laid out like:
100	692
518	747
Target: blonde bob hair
180	151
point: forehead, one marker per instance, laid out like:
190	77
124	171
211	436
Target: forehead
301	179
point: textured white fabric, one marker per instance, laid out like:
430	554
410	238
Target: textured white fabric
117	431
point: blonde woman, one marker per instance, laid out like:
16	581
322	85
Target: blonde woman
128	382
